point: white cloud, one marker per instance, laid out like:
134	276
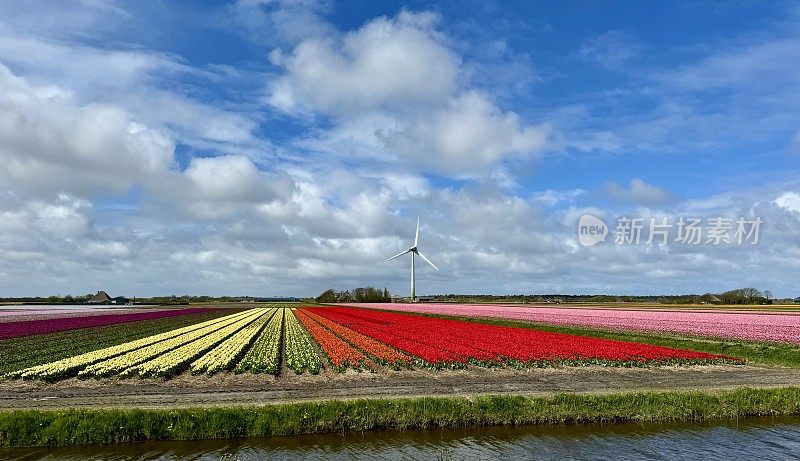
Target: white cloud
758	65
639	193
789	201
394	64
396	90
552	197
50	145
281	21
469	134
137	80
105	250
59	19
216	187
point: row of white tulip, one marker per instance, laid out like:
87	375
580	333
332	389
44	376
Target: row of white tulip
68	367
301	354
167	364
264	356
225	354
119	363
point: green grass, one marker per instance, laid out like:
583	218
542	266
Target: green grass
79	427
28	351
779	354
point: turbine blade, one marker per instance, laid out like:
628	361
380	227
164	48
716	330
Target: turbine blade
416	237
427	260
398	255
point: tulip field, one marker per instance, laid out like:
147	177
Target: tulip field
449	343
309	339
14	324
755	326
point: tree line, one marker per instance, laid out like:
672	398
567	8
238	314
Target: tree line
737	296
358	295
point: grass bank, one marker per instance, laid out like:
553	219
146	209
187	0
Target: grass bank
29	428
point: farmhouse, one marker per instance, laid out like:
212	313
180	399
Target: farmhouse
100	298
103	298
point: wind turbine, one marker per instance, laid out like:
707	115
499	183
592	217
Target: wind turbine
414	253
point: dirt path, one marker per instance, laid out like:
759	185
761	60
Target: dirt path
230	389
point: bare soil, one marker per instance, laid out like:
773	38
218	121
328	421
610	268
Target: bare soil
228	389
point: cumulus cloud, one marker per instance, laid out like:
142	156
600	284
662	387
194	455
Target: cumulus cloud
395	63
398	82
469	133
51	145
216	187
136	80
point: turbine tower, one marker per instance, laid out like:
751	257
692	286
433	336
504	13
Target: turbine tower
414	253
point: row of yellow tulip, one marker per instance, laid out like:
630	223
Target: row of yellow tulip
173	361
301	354
65	368
264	356
225	355
119	363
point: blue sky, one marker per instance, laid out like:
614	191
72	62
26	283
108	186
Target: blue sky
284	147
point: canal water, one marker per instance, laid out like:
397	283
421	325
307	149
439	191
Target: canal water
762	439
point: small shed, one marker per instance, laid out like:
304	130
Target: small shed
100	298
120	300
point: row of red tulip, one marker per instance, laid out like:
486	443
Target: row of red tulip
446	342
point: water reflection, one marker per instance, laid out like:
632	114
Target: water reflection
752	439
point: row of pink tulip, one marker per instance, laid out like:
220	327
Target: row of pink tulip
22	315
52	325
767	326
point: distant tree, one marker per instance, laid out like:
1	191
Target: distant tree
327	296
744	296
360	295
